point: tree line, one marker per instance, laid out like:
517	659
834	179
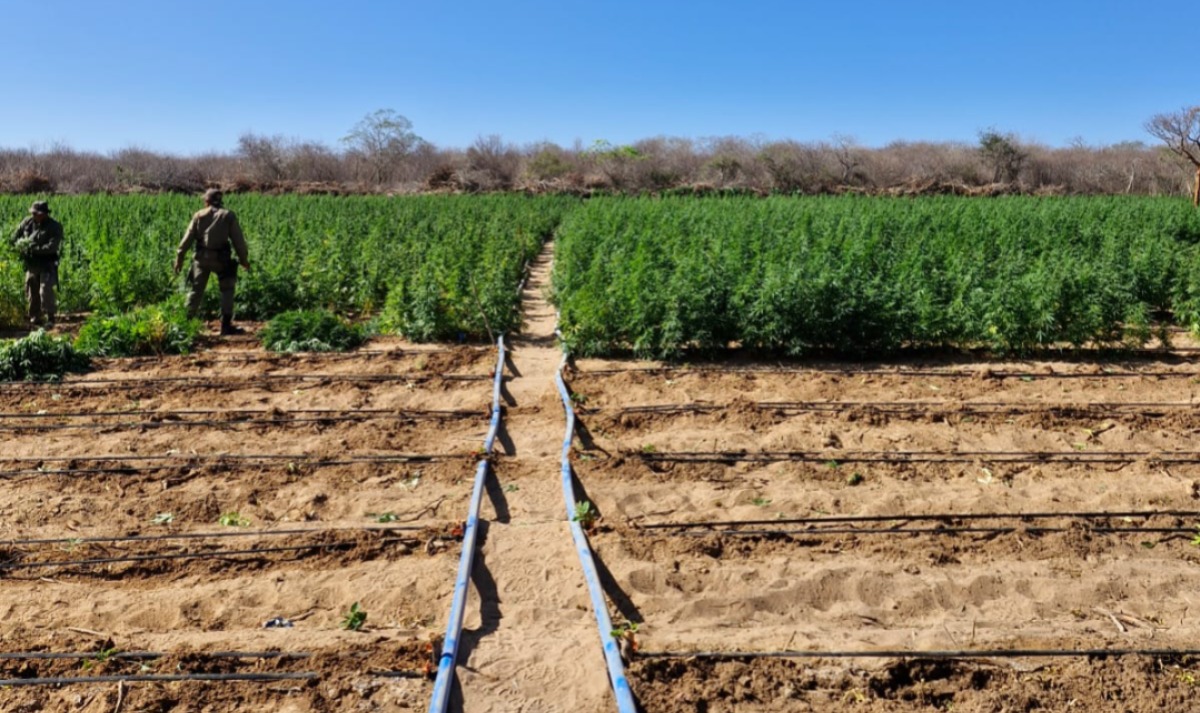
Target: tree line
382	154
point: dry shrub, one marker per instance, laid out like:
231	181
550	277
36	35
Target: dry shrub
442	178
28	182
493	165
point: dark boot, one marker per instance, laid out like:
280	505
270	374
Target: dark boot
228	329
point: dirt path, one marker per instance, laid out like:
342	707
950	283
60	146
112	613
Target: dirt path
530	642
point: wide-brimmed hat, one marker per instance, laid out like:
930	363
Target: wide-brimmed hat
40	207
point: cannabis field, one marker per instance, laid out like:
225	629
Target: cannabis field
434	267
663	277
856	274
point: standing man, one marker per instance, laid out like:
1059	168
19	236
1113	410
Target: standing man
38	240
216	234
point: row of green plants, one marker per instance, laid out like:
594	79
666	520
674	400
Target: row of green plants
163	329
656	276
40	357
429	267
662	277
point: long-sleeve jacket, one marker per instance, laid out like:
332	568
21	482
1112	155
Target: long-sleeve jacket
38	243
214	230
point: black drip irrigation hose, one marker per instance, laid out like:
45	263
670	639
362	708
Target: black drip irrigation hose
399	674
919	407
1034	530
175	462
147	655
845	519
209	535
219	554
242	381
241	412
913	654
233	456
897	457
176	419
925	373
252	357
153	655
161	678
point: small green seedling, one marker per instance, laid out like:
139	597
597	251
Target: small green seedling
649	448
1196	538
761	502
579	399
100	657
233	519
625	630
585	514
855	479
354	619
163	518
384	516
511	488
625	635
832	464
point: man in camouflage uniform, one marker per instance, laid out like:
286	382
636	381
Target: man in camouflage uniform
216	234
38	240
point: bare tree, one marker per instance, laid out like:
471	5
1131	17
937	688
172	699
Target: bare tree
493	164
383	139
797	167
1180	131
850	157
264	155
312	161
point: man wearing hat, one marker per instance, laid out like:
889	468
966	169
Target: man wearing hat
38	240
216	234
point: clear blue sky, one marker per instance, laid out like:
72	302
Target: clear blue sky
187	77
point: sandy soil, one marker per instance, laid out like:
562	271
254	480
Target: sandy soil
384	534
792	587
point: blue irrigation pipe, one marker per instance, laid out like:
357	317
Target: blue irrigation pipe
449	657
612	655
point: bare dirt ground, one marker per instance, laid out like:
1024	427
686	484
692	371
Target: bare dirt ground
242	487
777	444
